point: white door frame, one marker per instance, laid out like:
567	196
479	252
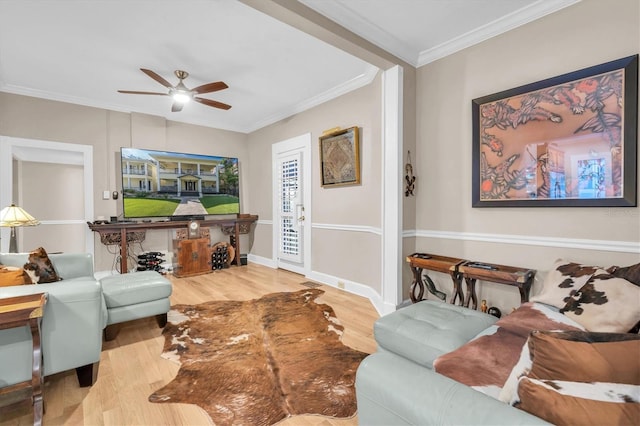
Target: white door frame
392	201
298	143
46	152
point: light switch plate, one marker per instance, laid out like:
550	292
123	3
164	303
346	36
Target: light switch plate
106	195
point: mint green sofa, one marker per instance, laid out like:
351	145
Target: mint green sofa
398	386
73	320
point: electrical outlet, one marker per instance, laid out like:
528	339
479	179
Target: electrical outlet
341	284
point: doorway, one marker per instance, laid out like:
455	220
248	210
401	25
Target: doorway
59	178
291	161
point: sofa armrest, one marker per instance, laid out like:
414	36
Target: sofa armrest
423	397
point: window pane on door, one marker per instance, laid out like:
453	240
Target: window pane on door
288	183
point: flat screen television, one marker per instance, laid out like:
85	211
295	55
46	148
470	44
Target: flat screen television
178	185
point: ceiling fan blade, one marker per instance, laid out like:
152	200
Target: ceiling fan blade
156	77
134	92
211	103
177	107
210	87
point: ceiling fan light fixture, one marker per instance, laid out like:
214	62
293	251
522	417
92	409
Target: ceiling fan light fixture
181	96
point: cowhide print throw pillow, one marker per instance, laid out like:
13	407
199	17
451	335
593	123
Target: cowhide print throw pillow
582	378
604	303
39	267
585	356
563	278
576	356
575	403
629	273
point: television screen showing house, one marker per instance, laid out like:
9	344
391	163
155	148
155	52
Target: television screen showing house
165	184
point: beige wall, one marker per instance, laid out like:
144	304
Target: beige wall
348	255
108	131
588	33
50	202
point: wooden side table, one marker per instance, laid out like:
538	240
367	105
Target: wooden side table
502	274
418	262
17	312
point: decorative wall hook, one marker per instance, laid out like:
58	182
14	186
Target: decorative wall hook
409	178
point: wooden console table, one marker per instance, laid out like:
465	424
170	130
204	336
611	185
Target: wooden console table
17	312
233	226
470	271
418	262
502	274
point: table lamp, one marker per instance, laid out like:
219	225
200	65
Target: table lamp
14	216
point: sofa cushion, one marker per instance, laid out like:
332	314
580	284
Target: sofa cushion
425	330
134	288
40	268
12	275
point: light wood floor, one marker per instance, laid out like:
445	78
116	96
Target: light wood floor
131	367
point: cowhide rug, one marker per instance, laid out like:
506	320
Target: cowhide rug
260	361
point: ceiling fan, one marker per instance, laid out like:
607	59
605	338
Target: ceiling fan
180	93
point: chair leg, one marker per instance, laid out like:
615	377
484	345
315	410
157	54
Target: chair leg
111	332
87	374
161	319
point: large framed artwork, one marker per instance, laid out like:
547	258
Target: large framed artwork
340	158
566	141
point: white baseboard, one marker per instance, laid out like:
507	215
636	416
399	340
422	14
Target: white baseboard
264	261
354	288
340	283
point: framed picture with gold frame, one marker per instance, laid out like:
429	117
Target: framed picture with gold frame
340	158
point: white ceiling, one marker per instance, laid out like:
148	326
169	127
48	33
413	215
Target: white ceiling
83	51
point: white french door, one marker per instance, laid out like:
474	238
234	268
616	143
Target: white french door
291	203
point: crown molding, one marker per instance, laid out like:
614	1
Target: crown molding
58	97
508	22
360	81
339	90
364	28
